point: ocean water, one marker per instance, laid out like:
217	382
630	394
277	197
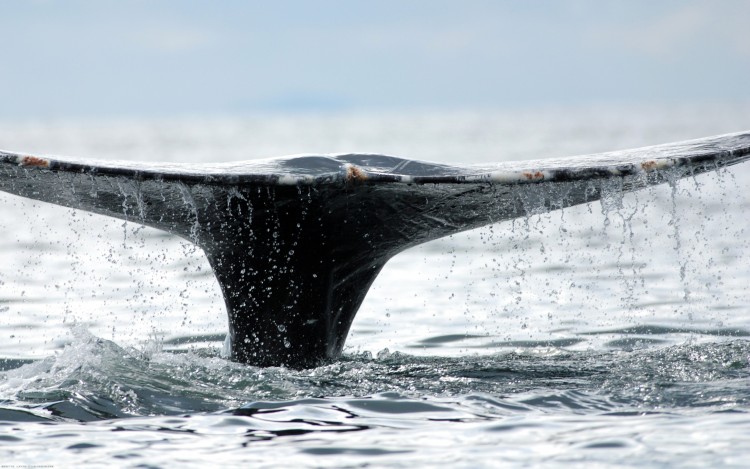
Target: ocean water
610	334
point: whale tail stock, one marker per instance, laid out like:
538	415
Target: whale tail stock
296	242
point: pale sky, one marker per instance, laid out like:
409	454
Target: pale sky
165	58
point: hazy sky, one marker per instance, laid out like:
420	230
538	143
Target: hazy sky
150	57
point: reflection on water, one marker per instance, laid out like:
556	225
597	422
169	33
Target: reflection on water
614	333
96	379
139	402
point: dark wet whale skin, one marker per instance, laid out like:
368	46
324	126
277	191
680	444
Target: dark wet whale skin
296	242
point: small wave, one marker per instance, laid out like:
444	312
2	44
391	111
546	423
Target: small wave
95	379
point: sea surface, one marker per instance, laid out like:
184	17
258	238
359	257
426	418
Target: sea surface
613	334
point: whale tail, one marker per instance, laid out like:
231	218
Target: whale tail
296	242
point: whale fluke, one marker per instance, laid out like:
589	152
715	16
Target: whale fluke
296	242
